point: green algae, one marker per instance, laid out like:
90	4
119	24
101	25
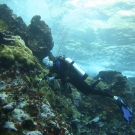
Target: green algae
71	112
3	25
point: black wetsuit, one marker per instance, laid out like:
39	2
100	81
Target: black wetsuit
65	73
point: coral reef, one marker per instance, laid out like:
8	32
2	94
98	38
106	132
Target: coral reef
9	21
39	29
24	109
30	105
16	51
37	36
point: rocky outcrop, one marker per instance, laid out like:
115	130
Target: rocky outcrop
32	105
37	36
11	23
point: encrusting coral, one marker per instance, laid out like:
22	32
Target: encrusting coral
17	51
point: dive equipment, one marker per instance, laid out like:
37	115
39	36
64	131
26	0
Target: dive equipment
126	111
48	63
127	114
77	69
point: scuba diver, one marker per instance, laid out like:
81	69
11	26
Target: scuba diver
69	72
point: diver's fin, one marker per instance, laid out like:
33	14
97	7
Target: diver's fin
127	113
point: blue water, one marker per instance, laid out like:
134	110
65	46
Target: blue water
98	35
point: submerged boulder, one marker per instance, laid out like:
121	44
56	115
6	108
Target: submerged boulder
39	37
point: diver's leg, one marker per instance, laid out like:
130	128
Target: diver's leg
95	83
101	93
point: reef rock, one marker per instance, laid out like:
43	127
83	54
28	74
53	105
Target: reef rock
10	22
16	51
112	76
37	36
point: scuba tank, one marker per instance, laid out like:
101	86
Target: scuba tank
76	68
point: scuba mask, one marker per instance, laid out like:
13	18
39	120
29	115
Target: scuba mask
48	63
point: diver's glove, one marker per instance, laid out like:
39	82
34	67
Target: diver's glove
50	79
126	111
46	77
